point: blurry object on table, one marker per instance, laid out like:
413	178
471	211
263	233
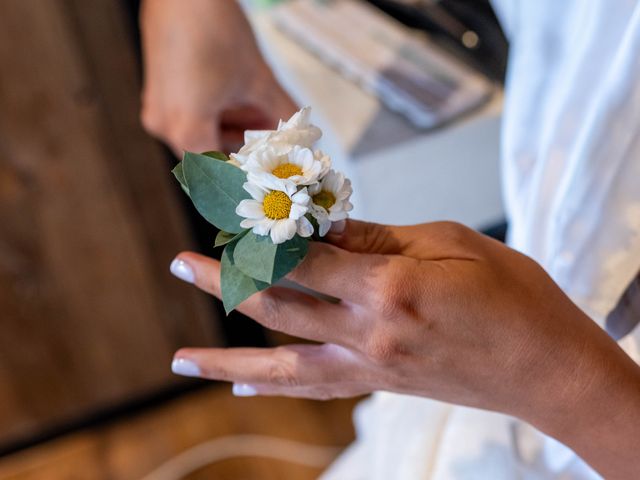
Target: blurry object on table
409	73
467	28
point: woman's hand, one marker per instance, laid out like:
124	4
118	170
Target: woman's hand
205	79
435	310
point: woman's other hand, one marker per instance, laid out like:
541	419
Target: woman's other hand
205	81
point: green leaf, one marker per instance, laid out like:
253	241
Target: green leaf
258	257
235	285
222	238
216	189
289	256
178	172
216	155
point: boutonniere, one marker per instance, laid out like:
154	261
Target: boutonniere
268	200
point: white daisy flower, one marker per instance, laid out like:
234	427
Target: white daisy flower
300	166
330	200
295	131
275	210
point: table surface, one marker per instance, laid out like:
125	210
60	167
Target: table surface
451	173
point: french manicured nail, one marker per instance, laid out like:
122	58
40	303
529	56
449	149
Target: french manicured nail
338	227
184	367
182	270
243	390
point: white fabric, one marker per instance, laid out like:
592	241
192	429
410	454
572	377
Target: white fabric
571	175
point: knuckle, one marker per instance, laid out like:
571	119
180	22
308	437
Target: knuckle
393	293
454	232
272	309
217	372
384	350
282	374
374	237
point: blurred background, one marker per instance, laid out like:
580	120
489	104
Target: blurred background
408	94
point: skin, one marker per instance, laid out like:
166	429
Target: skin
205	81
440	311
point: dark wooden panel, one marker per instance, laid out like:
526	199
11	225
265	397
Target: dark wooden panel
134	447
89	221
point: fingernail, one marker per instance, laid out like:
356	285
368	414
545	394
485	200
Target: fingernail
184	367
182	270
243	390
338	227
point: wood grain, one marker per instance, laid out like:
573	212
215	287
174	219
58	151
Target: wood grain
89	221
134	447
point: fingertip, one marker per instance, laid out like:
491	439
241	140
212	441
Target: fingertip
244	390
183	364
182	270
198	269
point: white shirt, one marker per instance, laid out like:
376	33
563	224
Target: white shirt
571	178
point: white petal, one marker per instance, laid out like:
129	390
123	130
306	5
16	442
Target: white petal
251	136
283	230
250	209
254	190
294	155
302	156
297	179
297	120
345	192
318	212
301	197
337	216
305	228
263	179
271	182
269	159
280	146
314	188
333	181
323	227
248	223
262	227
304	137
297	211
311	174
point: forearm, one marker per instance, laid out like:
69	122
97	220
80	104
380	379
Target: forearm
598	412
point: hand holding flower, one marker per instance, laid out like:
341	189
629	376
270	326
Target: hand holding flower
440	311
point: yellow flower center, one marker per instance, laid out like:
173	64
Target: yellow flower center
287	170
325	199
276	205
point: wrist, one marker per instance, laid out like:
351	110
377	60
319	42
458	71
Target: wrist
592	405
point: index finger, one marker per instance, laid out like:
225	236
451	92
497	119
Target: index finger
293	312
336	272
